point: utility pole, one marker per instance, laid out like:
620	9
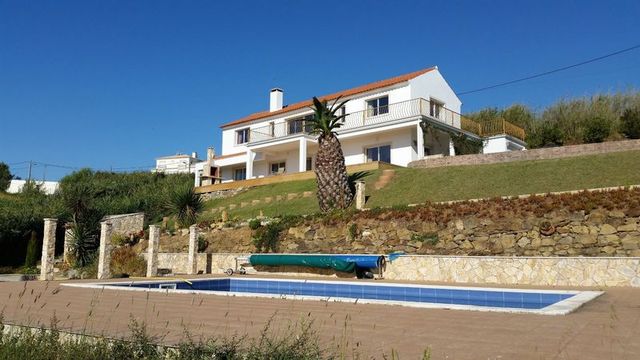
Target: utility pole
30	165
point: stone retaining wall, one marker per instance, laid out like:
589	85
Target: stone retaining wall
537	271
125	224
535	154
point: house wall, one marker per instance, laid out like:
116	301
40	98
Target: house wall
49	187
432	84
401	141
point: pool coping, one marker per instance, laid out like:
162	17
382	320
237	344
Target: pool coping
562	307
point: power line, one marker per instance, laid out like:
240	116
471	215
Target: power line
550	71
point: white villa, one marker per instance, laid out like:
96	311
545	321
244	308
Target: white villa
382	124
177	164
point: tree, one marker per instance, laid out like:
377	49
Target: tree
596	130
331	171
630	123
5	177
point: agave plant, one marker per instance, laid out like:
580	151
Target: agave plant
185	204
331	173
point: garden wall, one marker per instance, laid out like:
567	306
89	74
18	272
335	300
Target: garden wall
125	224
535	154
539	271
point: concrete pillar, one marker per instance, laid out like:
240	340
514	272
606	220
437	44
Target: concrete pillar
48	249
104	255
152	250
302	159
452	150
68	244
193	250
419	141
360	196
249	167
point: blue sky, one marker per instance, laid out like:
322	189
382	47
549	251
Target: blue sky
114	84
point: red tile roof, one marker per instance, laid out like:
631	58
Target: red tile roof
349	92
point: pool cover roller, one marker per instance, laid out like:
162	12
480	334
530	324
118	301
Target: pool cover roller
343	263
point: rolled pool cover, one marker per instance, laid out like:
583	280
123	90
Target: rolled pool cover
344	263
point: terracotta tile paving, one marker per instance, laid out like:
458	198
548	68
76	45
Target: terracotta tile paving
606	328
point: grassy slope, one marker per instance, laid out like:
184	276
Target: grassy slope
525	177
412	186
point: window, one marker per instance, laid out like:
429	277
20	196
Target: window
378	106
272	129
242	136
240	174
309	164
298	125
379	153
435	108
278	168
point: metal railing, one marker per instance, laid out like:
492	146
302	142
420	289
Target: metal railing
387	113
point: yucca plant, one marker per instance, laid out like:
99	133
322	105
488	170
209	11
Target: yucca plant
331	173
185	204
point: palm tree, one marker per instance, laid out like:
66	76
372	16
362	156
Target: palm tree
331	173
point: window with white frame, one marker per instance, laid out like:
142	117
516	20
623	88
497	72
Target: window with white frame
242	136
379	153
278	168
378	106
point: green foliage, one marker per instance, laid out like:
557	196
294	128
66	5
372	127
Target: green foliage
203	243
266	237
426	238
353	231
325	121
32	251
185	204
596	130
5	177
545	134
630	123
254	224
464	145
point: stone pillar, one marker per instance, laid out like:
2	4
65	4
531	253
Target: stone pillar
104	257
152	251
68	244
193	250
302	155
225	216
419	142
48	249
360	197
452	150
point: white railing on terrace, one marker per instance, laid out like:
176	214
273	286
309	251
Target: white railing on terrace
388	113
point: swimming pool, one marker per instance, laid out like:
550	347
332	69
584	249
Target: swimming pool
548	302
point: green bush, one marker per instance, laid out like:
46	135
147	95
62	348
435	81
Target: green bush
596	130
32	251
5	177
185	204
464	145
545	134
630	123
254	224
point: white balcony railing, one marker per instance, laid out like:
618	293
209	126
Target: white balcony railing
389	113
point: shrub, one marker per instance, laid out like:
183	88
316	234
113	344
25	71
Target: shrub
596	130
32	251
203	244
464	145
545	134
426	238
630	123
5	177
186	204
254	224
125	261
353	231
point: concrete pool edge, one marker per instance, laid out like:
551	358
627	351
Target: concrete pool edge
562	307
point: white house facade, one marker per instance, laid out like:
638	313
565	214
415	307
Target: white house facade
177	164
382	123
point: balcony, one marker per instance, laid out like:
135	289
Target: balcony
407	110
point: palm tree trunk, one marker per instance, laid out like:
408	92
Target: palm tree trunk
331	175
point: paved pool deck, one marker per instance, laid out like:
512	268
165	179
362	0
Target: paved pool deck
605	328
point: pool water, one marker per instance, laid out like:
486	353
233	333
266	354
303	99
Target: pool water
373	291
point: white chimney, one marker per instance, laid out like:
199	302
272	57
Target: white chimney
194	155
211	153
275	100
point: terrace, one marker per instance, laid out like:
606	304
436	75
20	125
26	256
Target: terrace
405	111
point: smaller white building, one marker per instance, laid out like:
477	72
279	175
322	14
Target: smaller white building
48	187
177	164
